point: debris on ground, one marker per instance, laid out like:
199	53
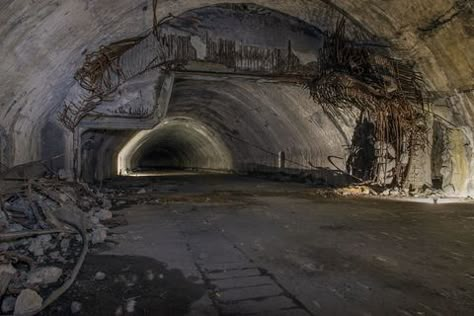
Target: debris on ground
356	190
76	307
99	276
394	192
46	228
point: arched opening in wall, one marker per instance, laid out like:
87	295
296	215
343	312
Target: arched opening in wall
242	84
243	126
177	143
52	146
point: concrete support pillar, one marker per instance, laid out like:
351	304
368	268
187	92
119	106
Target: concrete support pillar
419	174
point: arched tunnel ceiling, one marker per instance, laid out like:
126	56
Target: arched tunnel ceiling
182	142
44	42
242	123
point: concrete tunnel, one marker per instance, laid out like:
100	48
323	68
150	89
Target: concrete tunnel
237	158
245	121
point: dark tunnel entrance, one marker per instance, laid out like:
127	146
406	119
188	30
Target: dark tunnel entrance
180	143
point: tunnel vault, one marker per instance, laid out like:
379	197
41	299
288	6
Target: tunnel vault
276	48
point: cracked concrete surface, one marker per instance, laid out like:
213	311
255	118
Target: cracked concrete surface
270	248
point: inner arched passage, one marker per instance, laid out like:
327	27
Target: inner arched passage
240	125
176	143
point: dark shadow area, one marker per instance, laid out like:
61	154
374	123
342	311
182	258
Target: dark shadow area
362	152
141	282
315	176
437	150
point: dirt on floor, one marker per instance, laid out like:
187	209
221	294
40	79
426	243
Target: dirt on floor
128	285
197	245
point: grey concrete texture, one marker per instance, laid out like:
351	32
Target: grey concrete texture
44	43
281	249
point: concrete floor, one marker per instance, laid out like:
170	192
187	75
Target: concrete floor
268	248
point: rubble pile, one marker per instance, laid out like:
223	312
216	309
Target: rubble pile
419	193
46	228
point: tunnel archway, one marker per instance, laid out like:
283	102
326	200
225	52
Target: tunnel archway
176	143
241	126
446	66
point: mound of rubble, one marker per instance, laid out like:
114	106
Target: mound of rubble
403	193
46	228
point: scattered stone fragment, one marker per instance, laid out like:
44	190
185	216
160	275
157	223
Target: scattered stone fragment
103	214
106	204
7	271
8	304
76	307
40	244
356	190
119	311
55	255
4	247
98	235
130	308
94	220
99	276
64	244
27	302
149	275
141	191
44	275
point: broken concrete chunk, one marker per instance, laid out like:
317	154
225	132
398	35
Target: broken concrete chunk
98	235
106	204
27	302
119	311
99	276
356	190
7	271
7	268
4	247
65	244
130	308
103	214
8	304
45	275
149	275
55	255
40	244
76	307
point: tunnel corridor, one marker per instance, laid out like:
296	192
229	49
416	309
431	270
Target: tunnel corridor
179	143
225	158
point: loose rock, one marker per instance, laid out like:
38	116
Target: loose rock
103	214
45	275
6	274
98	235
40	244
28	302
76	307
99	276
8	304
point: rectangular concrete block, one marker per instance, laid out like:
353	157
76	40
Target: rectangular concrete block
268	306
234	274
249	293
243	282
216	267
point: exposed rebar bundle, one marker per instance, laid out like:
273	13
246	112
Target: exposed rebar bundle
351	76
